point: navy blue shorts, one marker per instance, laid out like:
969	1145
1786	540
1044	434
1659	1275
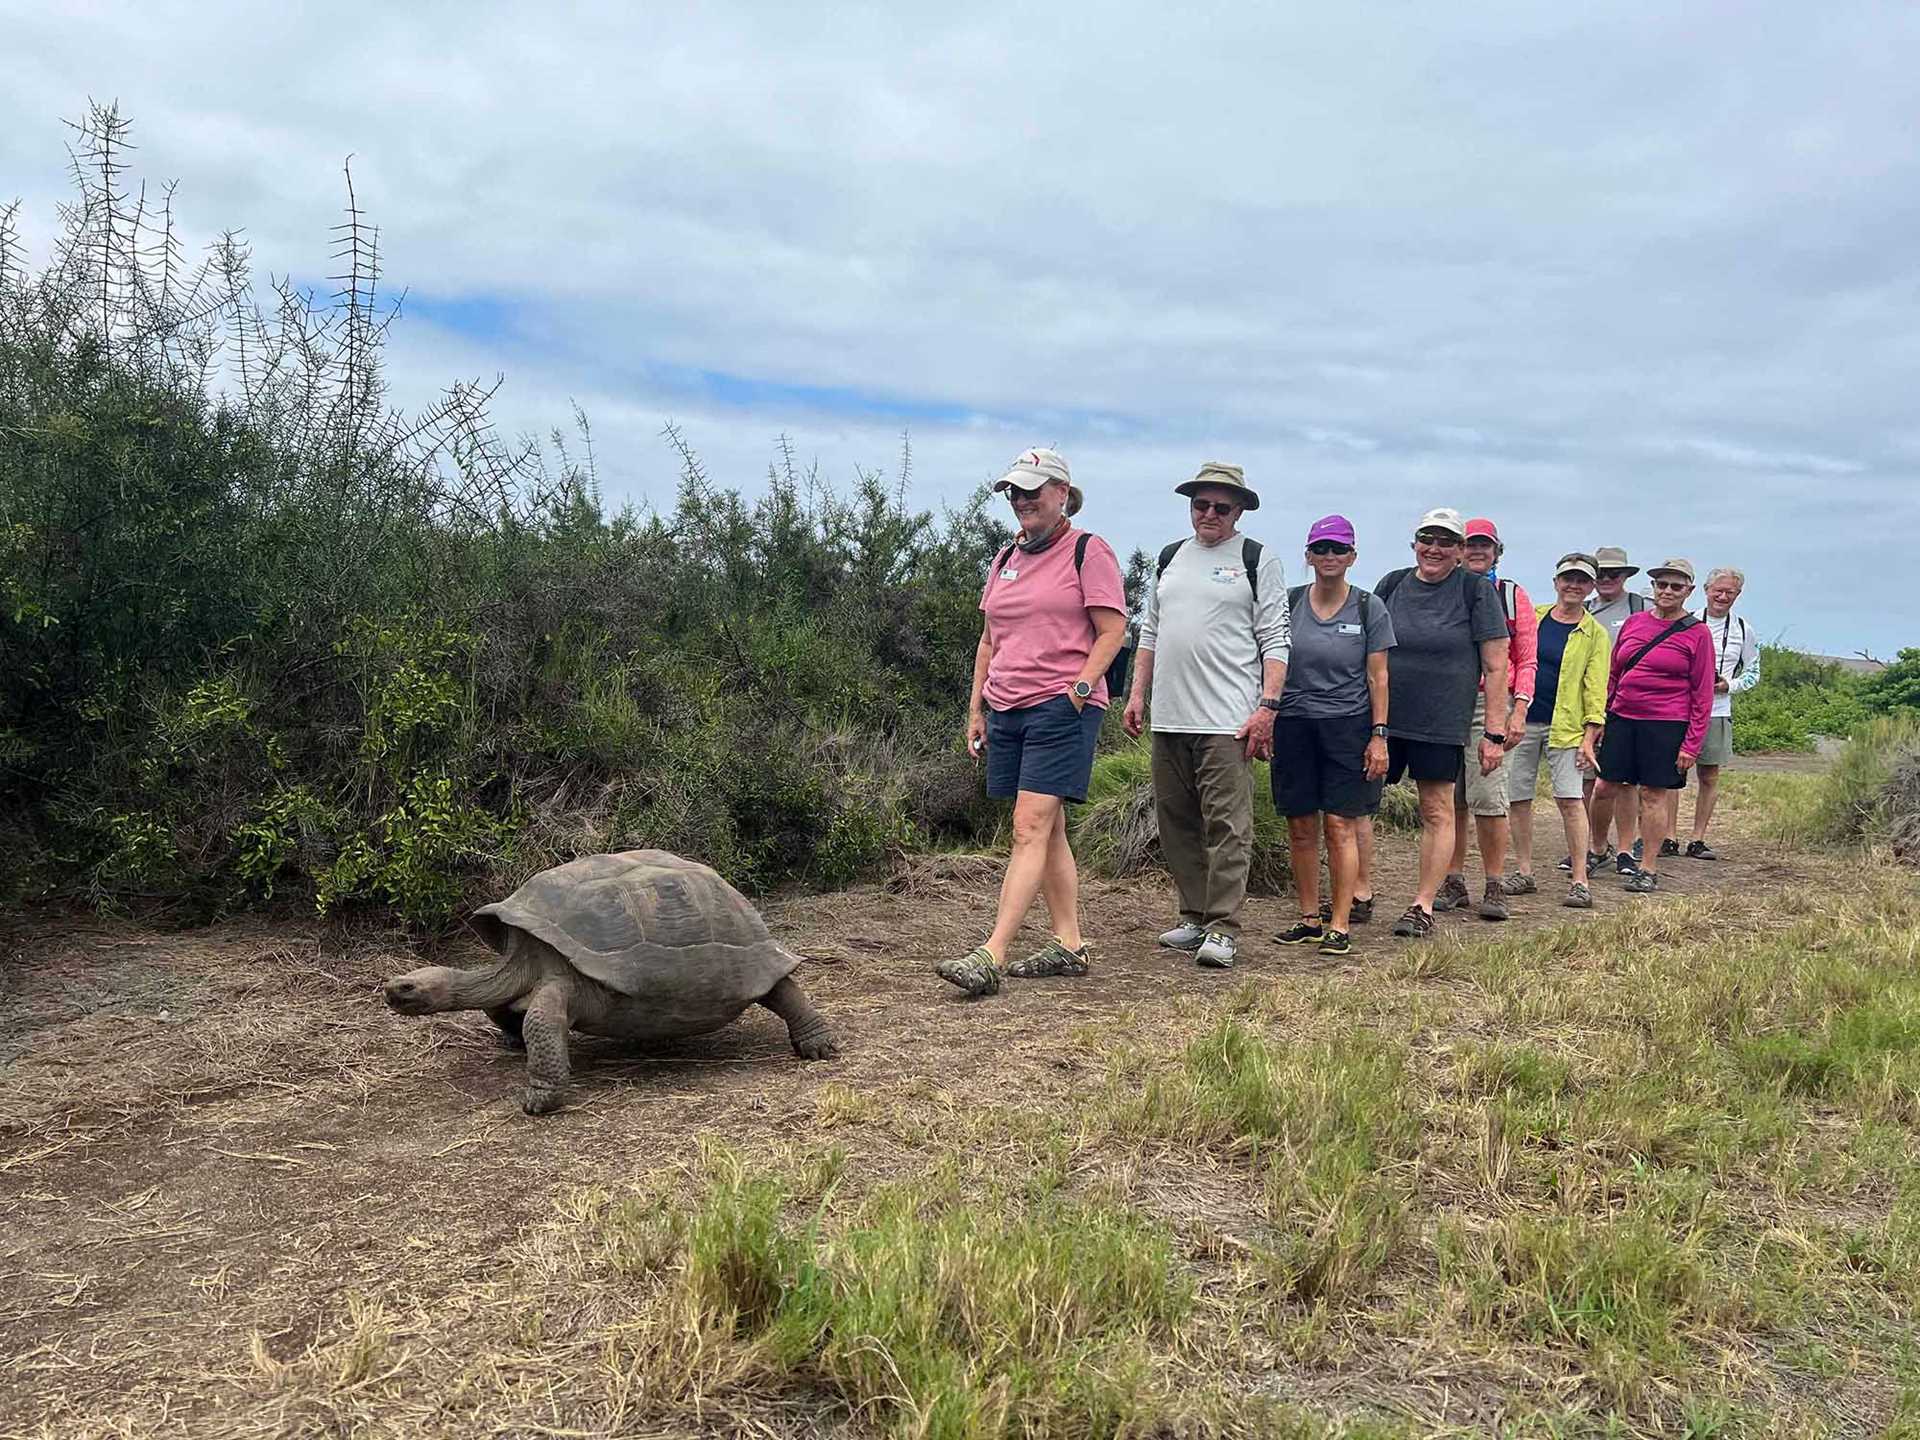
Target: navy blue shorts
1321	766
1046	748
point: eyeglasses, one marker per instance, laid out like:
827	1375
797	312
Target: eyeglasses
1615	574
1329	547
1015	493
1673	584
1439	539
1222	508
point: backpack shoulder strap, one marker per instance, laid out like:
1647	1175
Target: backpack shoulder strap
1390	582
1250	552
1080	550
1636	602
1005	555
1366	613
1510	600
1166	558
1295	596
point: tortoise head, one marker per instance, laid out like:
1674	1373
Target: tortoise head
423	991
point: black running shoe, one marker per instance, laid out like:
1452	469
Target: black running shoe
1669	848
1700	850
1307	932
1336	942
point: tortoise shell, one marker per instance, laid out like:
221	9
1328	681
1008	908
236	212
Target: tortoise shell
666	931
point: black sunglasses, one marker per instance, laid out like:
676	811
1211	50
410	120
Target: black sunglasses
1440	539
1329	547
1218	507
1014	492
1615	574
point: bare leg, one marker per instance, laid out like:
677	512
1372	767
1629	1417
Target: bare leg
545	1027
1034	818
813	1038
1704	801
1343	864
1656	820
1626	817
1491	830
1436	838
1363	847
1574	816
1520	820
1303	846
1457	865
1060	883
509	1023
1606	796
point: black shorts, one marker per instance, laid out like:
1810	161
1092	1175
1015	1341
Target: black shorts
1321	766
1045	748
1422	759
1643	752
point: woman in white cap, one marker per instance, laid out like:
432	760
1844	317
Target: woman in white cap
1659	697
1056	614
1562	723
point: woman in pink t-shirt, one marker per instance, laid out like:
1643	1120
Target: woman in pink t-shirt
1056	615
1659	695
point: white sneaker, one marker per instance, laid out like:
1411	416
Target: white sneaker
1216	952
1184	937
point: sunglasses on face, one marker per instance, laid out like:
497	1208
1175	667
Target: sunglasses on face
1222	508
1615	574
1016	494
1440	541
1329	547
1672	585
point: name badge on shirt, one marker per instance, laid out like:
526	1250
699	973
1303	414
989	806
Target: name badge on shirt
1009	574
1227	574
1347	627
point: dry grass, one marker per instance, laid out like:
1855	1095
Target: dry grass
1651	1171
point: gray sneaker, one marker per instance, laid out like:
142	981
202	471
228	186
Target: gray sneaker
1184	936
1216	952
1452	895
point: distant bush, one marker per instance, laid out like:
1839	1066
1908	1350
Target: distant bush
1872	793
1798	698
1896	688
265	635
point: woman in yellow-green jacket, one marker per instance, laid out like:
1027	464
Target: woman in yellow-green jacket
1563	723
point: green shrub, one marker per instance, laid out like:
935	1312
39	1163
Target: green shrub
1896	688
1798	698
1853	798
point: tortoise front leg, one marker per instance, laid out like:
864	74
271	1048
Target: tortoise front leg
544	1026
813	1038
510	1028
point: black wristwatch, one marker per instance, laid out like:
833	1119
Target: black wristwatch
1266	704
1381	731
1496	739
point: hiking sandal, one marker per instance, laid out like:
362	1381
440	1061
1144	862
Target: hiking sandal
975	973
1053	958
1416	924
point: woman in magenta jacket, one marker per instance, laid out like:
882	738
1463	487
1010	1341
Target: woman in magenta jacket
1659	695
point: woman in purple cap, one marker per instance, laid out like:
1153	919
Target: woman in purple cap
1329	737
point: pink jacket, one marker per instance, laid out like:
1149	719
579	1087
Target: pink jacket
1523	645
1673	682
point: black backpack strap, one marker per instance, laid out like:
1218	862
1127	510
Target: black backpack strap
1250	552
1390	582
1365	612
1005	555
1684	622
1166	558
1080	551
1294	596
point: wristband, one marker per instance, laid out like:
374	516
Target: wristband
1496	739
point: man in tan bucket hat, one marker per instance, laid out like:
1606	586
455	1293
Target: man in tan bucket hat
1213	647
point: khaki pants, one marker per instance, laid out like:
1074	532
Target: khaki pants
1203	797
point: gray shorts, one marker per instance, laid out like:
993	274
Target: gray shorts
1562	770
1717	748
1482	794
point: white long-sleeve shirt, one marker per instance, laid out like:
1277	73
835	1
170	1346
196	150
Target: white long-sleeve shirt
1736	657
1209	637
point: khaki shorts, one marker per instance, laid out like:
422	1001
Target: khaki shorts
1482	794
1563	769
1717	748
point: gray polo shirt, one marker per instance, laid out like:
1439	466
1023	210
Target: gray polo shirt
1209	638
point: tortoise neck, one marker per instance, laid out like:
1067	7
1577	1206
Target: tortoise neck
489	988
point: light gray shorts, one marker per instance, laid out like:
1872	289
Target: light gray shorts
1717	748
1562	770
1482	794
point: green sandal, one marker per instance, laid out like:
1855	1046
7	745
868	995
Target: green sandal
976	973
1053	958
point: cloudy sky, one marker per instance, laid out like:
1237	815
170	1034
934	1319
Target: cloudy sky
1614	274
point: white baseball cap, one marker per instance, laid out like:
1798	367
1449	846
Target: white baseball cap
1443	518
1035	468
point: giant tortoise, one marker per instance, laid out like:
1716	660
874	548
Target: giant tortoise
641	945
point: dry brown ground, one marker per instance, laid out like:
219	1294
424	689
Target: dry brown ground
210	1141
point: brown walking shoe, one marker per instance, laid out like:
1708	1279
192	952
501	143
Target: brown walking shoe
1493	900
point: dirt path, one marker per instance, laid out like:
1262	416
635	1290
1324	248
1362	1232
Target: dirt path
216	1135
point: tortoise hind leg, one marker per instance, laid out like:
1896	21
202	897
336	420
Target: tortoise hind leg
509	1021
813	1038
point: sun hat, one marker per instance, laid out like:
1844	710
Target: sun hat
1612	557
1035	468
1444	517
1228	477
1331	527
1577	561
1483	528
1672	567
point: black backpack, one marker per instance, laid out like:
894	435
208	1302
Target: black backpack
1121	665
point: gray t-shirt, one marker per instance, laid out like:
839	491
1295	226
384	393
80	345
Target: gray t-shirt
1435	675
1327	675
1615	614
1210	638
